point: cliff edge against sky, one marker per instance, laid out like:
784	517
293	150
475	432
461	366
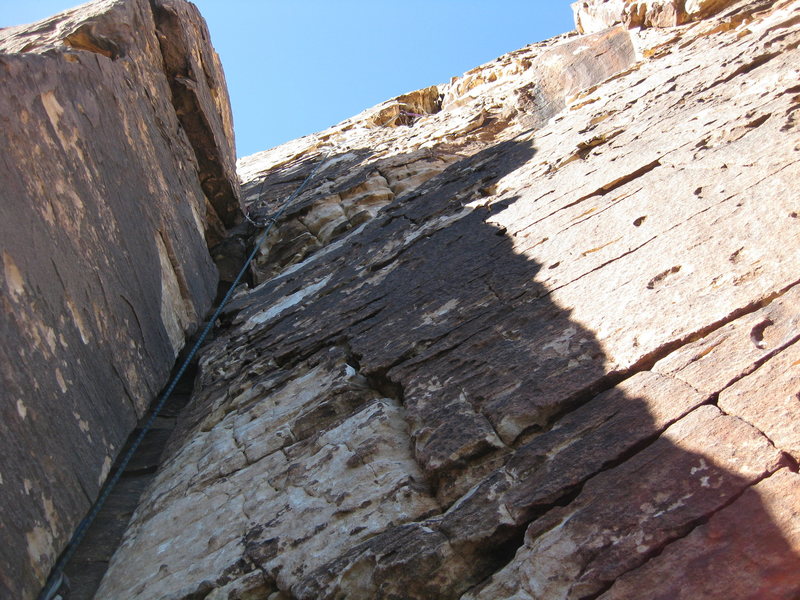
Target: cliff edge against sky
530	334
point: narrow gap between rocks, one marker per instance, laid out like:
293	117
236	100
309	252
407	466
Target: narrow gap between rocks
88	565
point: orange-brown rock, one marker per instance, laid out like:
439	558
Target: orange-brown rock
510	343
625	515
596	15
521	337
750	545
117	168
769	398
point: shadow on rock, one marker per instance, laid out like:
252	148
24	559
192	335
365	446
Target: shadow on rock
527	441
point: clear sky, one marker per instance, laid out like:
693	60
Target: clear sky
297	66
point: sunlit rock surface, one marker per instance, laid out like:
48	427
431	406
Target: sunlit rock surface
596	15
529	334
117	171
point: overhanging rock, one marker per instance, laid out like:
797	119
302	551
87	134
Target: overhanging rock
118	170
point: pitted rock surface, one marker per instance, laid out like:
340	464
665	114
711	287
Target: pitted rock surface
530	334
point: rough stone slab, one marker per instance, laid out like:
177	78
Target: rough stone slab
588	202
750	549
354	477
361	181
200	98
158	43
769	399
596	15
467	542
105	264
521	268
623	515
716	360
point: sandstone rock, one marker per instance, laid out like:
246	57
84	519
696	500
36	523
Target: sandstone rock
526	89
201	102
750	549
770	399
364	480
705	8
171	48
473	536
624	515
595	15
510	358
105	266
745	343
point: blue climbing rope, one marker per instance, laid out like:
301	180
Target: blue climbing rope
56	578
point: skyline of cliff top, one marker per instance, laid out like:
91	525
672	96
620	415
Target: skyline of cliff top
321	63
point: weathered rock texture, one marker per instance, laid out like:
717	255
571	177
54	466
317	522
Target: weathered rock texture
595	15
117	168
529	334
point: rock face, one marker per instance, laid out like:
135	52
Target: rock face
118	169
529	334
596	15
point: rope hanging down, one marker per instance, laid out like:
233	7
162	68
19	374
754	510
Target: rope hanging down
56	578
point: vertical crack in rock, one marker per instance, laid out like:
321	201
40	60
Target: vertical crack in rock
195	86
492	355
105	264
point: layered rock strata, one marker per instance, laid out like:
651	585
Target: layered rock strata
118	171
529	334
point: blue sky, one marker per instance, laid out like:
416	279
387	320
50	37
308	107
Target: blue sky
297	66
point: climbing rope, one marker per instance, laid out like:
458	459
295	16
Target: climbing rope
57	576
